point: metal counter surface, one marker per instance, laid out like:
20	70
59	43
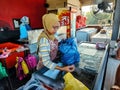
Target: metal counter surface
92	62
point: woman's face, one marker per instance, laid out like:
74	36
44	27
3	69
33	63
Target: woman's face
54	28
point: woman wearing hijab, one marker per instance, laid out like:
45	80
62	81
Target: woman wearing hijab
48	46
47	51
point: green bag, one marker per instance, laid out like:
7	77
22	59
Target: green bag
2	71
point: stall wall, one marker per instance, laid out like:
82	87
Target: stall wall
10	9
55	4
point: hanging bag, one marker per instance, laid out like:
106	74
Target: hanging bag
3	72
21	68
68	51
31	61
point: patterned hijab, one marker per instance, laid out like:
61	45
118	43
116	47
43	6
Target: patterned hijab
48	20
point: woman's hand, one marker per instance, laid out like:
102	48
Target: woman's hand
70	68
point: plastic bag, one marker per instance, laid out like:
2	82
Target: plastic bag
69	52
3	72
31	61
71	83
21	68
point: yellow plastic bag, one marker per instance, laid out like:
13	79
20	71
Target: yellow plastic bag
24	66
71	83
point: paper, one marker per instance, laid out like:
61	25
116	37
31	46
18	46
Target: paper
91	52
